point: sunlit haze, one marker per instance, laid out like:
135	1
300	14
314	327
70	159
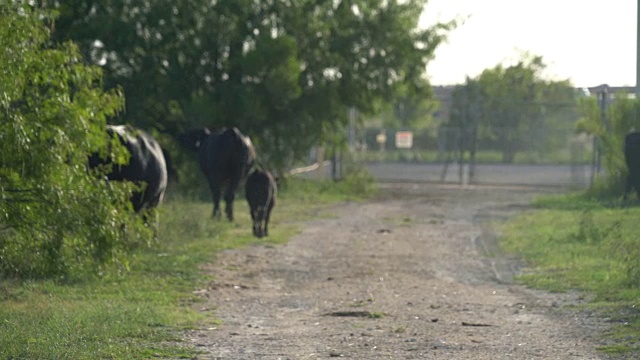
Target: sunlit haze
588	42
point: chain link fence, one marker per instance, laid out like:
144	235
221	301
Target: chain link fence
540	157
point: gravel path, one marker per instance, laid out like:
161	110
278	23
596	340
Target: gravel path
413	274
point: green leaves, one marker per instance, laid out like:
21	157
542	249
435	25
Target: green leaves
54	216
285	71
610	127
513	108
273	71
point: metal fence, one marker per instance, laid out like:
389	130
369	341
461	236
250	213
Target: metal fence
544	157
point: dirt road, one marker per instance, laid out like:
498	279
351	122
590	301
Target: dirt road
413	274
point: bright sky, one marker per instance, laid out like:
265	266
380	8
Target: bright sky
590	42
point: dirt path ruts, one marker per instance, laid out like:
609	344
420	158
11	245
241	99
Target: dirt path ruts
411	275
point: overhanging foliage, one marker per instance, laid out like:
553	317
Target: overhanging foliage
54	216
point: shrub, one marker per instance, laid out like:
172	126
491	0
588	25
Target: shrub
54	216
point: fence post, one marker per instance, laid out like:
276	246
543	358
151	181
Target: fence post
320	172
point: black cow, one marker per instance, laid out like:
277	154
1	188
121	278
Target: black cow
147	166
225	158
260	191
632	159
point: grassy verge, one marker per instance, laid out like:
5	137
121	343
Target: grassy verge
138	312
571	242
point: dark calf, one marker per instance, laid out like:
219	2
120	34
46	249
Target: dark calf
261	190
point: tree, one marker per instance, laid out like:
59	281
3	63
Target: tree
286	72
515	108
464	119
54	216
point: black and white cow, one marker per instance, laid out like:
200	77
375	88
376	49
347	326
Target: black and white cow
260	191
147	166
225	158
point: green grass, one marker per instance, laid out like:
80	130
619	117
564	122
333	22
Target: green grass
140	310
574	243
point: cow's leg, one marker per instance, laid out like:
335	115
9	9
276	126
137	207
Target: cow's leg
253	215
632	183
254	222
151	219
267	216
215	191
230	194
256	229
138	201
261	216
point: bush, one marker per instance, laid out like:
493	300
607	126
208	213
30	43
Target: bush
54	216
358	181
620	120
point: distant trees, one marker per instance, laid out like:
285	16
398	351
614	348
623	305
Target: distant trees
284	71
53	215
514	107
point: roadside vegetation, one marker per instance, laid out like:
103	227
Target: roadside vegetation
588	241
574	242
139	309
